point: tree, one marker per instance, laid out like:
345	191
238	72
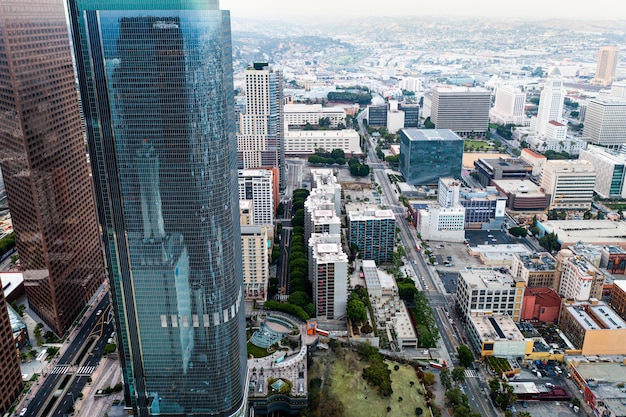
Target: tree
550	242
445	378
458	374
518	231
465	355
428	124
356	310
366	329
429	379
299	298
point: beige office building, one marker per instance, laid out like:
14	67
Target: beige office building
607	65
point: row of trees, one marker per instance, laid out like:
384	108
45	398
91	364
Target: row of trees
424	320
376	373
363	98
336	156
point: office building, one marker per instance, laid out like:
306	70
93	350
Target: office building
260	140
429	154
372	230
165	170
463	110
411	114
605	121
610	169
393	115
489	290
618	89
613	259
377	115
608	58
297	116
570	184
551	103
509	106
257	185
12	384
592	327
537	270
490	169
255	247
580	279
522	194
43	162
442	224
328	272
304	143
597	232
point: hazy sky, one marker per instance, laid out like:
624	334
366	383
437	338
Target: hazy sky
541	9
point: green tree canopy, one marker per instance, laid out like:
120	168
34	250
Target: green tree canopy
465	355
356	310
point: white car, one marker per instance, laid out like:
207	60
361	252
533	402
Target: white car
98	312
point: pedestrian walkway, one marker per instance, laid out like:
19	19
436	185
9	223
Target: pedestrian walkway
470	373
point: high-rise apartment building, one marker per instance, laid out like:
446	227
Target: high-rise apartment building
607	65
463	110
509	106
373	232
44	164
570	184
255	247
605	121
156	84
328	272
258	185
260	141
580	279
12	384
429	154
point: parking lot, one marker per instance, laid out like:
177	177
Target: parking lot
489	237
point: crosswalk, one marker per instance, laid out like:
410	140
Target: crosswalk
85	370
470	373
82	371
60	369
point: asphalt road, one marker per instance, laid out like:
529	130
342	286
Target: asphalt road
429	281
93	325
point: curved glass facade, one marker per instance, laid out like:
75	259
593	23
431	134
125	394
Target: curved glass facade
157	90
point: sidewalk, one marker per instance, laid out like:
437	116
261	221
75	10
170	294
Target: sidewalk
106	375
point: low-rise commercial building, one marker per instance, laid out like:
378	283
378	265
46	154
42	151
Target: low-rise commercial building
541	304
497	335
305	142
596	232
537	270
593	328
601	383
490	169
442	224
569	183
522	194
618	297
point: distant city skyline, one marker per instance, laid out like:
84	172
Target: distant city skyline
531	9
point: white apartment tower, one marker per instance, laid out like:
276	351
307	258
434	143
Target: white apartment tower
449	192
550	103
605	121
328	272
570	183
607	65
257	185
509	106
260	141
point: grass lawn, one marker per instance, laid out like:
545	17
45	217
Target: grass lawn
360	400
256	351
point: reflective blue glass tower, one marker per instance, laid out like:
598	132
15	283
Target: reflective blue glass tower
156	83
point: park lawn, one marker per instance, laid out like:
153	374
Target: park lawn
350	388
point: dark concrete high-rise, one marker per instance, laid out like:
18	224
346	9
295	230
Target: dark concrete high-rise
156	82
44	162
11	384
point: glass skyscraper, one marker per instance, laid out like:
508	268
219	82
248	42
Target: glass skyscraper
156	82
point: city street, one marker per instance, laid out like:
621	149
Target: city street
66	376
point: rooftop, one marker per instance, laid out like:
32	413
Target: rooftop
596	231
538	261
523	187
533	153
414	134
486	278
496	327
